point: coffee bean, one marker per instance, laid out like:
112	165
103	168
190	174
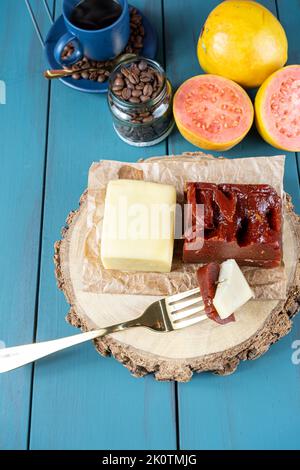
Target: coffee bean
68	51
76	76
137	93
119	82
133	78
135	100
148	90
129	84
144	98
159	78
126	93
138	119
145	78
134	69
80	64
146	114
116	88
85	75
101	78
136	19
142	65
148	119
125	72
93	76
139	39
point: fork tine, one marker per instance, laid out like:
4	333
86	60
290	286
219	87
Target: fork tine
187	303
186	313
183	295
192	321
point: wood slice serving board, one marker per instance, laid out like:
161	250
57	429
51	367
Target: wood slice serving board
176	355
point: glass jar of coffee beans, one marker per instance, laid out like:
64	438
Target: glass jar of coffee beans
140	99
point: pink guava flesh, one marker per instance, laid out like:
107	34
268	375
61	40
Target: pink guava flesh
281	108
213	107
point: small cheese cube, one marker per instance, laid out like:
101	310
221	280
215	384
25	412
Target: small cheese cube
138	226
233	290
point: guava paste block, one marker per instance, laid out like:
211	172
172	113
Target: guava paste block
241	221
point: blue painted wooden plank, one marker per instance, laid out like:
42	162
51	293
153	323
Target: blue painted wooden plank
81	400
289	17
259	406
256	408
22	136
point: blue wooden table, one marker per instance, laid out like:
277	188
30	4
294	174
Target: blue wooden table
49	136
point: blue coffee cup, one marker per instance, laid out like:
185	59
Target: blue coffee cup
101	44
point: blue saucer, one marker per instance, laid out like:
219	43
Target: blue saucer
59	29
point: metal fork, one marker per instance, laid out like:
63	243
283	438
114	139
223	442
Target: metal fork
171	313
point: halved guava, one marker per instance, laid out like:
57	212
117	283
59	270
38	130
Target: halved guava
213	112
277	107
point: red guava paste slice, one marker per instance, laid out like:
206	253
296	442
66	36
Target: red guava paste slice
208	276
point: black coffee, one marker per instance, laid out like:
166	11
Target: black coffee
96	14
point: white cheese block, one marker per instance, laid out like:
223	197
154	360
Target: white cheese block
138	226
233	290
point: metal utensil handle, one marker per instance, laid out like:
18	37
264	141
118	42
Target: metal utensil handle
34	20
15	357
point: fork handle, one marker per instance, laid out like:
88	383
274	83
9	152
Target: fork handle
13	358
